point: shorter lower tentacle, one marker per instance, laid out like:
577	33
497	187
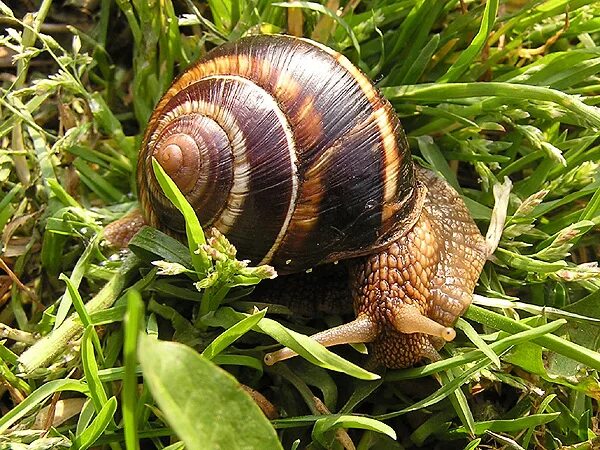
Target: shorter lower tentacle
360	330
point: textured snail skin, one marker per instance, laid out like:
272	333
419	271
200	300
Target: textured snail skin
433	268
119	233
290	151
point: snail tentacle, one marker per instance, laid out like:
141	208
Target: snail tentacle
408	319
360	330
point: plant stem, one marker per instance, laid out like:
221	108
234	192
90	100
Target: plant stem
28	40
53	344
549	341
448	91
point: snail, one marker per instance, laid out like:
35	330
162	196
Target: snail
290	151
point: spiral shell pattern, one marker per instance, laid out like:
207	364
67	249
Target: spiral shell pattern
285	147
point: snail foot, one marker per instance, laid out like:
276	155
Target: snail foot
117	234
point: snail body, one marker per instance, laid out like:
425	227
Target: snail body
290	151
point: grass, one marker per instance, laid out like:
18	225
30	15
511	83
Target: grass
485	91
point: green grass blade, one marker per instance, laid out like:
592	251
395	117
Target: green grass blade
134	317
50	346
303	345
570	349
508	426
83	314
419	65
431	152
470	332
194	232
238	360
90	370
497	347
442	392
460	403
37	397
474	49
326	424
589	115
97	427
323	10
232	334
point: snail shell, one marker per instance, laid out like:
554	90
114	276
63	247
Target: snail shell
285	147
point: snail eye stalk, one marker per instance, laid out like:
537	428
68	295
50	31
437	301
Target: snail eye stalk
360	330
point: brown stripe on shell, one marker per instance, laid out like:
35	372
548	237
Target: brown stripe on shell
283	85
389	129
365	84
339	206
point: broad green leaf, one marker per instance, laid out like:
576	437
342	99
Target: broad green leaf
150	244
192	392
